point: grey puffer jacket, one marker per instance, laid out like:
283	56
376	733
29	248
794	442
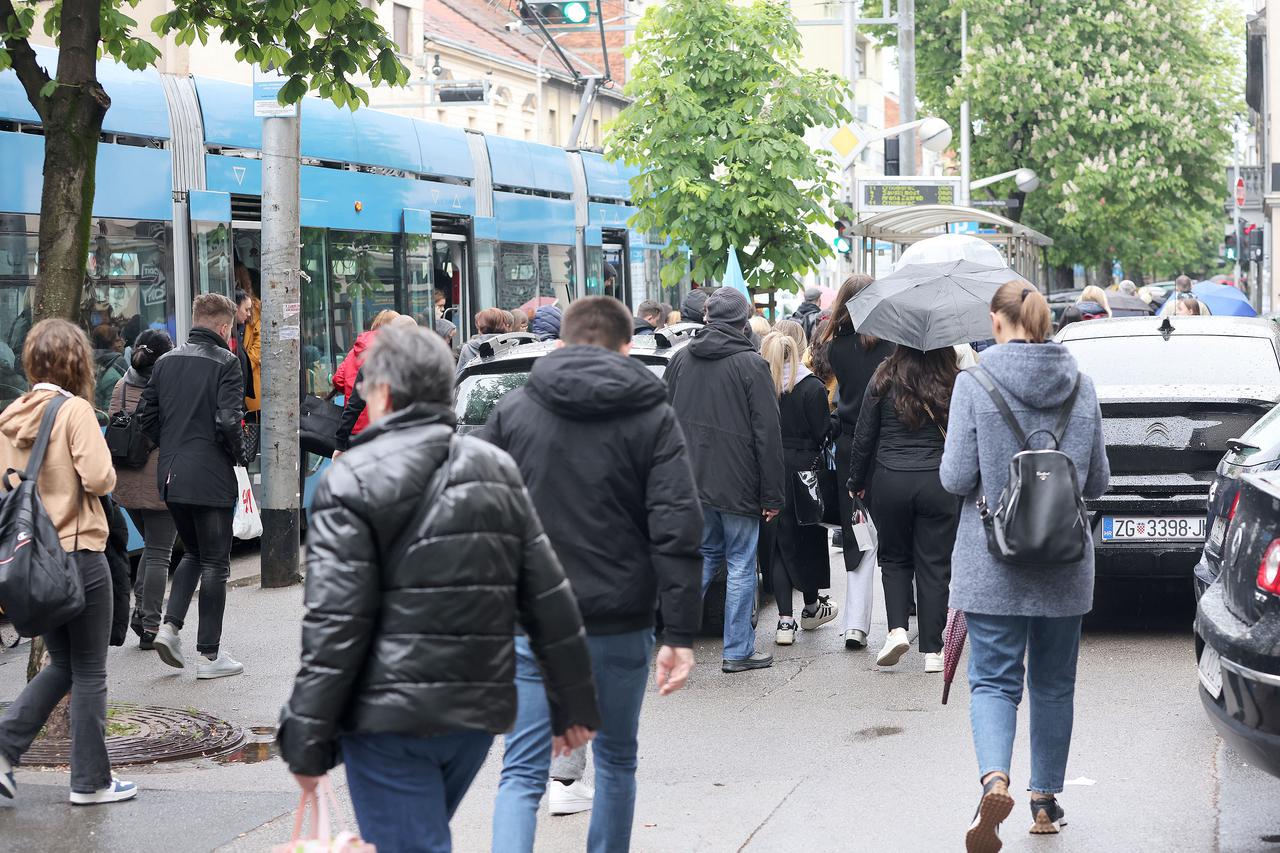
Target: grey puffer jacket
412	609
1036	380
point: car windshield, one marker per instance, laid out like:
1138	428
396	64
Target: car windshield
1181	360
479	393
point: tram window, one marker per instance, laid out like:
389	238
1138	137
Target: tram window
419	298
595	271
17	277
363	271
528	271
486	288
316	338
211	257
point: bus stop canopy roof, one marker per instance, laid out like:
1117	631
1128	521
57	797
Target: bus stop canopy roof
916	223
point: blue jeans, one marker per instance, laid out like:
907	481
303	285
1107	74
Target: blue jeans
620	664
406	788
732	539
996	648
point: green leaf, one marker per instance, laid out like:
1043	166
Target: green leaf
48	89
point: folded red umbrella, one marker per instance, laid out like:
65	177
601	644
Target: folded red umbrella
952	647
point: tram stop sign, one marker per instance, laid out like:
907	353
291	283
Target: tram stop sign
1239	192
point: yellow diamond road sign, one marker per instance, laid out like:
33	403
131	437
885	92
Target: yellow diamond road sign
844	141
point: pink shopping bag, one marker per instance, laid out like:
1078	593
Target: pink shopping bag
319	839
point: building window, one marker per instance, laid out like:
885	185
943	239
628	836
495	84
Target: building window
400	29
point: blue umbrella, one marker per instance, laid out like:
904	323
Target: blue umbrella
1223	299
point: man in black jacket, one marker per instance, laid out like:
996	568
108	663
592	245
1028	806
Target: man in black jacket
423	553
192	410
810	311
605	462
724	398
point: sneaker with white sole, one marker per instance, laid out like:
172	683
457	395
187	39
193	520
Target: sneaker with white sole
168	645
8	785
932	662
897	644
118	791
823	612
220	667
573	798
855	639
786	633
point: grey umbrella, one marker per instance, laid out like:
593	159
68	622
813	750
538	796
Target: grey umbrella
930	306
1124	305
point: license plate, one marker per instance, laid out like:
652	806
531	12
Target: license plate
1211	671
1216	534
1138	528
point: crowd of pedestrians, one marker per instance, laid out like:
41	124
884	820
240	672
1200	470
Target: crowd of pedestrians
515	582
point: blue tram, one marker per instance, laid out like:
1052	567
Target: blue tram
392	209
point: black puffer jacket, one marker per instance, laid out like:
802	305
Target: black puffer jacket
192	409
414	589
724	399
603	456
882	438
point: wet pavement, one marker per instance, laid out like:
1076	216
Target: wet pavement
822	752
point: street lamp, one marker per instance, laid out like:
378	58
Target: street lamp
1025	179
847	142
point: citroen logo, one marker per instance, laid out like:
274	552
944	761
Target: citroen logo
1157	430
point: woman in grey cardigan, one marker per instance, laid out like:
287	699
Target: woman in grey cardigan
1016	611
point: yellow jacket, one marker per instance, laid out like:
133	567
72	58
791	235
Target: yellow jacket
253	349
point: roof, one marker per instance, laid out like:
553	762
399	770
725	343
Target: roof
481	27
916	223
524	354
1125	327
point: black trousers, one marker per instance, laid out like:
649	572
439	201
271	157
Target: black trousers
206	536
916	519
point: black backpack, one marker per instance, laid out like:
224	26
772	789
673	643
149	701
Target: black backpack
40	586
129	447
1040	519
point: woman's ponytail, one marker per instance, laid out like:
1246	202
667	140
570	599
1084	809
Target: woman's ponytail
1024	307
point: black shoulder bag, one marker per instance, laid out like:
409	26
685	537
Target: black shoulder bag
129	447
1040	519
40	585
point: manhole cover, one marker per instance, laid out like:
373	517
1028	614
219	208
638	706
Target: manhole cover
138	734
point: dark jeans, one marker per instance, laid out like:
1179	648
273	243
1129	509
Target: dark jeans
77	662
158	533
206	536
405	788
916	519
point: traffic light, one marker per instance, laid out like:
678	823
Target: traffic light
892	157
1253	243
574	12
843	242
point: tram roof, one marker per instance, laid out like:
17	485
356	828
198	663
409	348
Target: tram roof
916	223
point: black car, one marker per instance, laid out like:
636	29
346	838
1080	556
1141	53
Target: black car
1257	450
1238	628
503	364
1175	392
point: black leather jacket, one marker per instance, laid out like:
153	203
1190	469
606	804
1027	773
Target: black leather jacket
415	591
192	410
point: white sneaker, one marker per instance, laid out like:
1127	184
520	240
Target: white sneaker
565	799
8	786
855	639
220	667
897	644
824	612
786	633
118	791
932	662
169	646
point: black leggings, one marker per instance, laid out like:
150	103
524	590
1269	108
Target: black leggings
916	519
782	588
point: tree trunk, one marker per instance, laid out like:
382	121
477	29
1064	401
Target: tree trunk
59	723
72	125
1064	278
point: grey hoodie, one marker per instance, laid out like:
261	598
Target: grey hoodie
1035	380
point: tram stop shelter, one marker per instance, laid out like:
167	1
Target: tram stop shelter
1022	247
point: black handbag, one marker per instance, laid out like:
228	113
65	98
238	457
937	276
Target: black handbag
816	500
129	447
40	585
318	421
250	440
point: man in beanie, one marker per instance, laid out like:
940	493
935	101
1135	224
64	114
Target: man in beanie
810	311
693	306
723	396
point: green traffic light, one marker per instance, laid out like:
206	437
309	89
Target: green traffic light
576	13
842	245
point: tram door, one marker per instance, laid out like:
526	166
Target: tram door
617	276
451	268
246	243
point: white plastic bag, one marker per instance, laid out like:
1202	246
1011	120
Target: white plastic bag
860	589
248	522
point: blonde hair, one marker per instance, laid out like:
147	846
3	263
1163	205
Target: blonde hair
793	330
782	353
1093	293
382	318
759	325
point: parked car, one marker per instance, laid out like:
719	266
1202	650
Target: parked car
503	365
1257	450
1174	393
1238	628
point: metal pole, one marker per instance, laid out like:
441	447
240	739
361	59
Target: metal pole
907	82
585	107
965	172
1235	213
851	71
281	315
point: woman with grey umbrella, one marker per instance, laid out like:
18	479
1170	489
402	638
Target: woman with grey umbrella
901	431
